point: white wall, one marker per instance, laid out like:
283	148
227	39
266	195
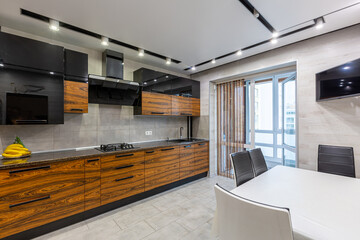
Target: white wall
332	122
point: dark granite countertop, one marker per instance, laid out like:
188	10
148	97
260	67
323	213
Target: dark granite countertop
67	155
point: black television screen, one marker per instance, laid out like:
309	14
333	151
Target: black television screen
339	82
26	109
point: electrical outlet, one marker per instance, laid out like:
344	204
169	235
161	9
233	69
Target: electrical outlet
148	133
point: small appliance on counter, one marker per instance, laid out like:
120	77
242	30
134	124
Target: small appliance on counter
115	147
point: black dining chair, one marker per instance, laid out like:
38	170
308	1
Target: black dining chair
243	167
258	161
336	160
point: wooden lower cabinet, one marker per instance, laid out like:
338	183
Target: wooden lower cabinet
161	167
187	155
201	158
34	196
92	183
75	97
122	176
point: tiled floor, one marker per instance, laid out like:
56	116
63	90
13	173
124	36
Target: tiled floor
183	213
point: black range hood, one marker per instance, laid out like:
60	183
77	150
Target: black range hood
111	88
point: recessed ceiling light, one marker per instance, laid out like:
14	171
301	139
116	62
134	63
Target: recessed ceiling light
275	34
213	61
145	83
141	52
1	64
54	25
167	76
274	41
193	68
52	73
239	53
104	41
168	61
346	67
319	23
155	80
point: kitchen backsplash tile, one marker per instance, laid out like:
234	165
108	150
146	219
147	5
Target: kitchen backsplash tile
103	124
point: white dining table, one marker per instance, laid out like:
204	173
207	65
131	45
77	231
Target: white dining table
322	206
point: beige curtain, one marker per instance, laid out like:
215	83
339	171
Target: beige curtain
230	123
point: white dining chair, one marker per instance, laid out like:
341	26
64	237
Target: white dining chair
238	218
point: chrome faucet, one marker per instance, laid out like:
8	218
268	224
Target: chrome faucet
181	129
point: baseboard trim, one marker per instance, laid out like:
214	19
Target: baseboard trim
50	227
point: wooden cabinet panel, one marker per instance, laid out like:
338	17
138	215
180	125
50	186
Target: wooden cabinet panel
195	106
161	167
155	104
187	156
92	183
201	161
181	106
75	97
33	196
122	175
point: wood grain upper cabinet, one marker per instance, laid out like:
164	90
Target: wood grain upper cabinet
75	97
195	106
36	195
161	167
92	183
181	106
155	104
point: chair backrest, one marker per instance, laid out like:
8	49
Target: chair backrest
238	218
336	160
243	168
258	161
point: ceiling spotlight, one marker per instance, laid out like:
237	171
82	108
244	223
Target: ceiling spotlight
141	52
213	61
256	13
275	34
145	83
1	64
104	41
155	80
346	67
349	82
168	61
52	73
274	41
54	25
167	76
122	63
193	68
341	80
319	23
239	53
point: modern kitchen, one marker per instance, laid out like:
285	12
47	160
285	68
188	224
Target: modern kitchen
143	120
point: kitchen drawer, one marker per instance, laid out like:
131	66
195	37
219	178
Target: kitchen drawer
116	187
155	104
75	97
92	183
161	157
39	199
187	157
201	161
122	163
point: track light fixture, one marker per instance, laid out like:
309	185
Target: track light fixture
168	61
213	61
239	53
319	22
104	41
256	13
54	25
275	34
274	41
141	52
193	68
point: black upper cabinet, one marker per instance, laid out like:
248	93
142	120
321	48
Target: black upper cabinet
76	66
154	81
31	54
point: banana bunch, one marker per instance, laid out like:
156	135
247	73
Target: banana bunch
15	151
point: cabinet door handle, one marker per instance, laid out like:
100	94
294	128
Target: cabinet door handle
27	202
77	109
127	166
167	149
157	113
29	169
201	144
187	114
187	146
150	151
125	155
122	179
93	160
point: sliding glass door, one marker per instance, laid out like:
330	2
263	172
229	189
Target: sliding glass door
271	118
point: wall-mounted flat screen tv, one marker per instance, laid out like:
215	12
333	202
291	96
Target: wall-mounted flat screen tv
339	82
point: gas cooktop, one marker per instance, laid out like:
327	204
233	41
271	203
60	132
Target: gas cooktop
115	147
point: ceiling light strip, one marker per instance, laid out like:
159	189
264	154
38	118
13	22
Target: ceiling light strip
255	45
252	9
92	34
